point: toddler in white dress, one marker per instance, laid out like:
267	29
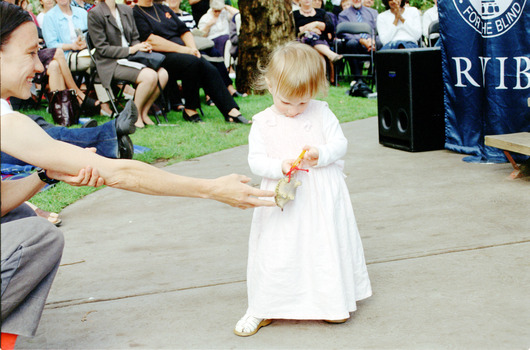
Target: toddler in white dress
307	261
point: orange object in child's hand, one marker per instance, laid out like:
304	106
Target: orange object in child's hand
297	161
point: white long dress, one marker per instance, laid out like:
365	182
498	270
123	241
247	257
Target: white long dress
307	261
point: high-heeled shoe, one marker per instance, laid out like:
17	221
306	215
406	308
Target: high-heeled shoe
194	118
237	119
239	94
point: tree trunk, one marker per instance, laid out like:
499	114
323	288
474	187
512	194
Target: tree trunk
265	24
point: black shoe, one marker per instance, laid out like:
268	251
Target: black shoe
126	119
238	94
237	119
92	123
125	147
195	118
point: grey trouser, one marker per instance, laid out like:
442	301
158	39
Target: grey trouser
31	250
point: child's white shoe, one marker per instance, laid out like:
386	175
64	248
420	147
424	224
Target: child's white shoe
249	325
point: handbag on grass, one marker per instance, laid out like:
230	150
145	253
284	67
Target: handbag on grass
64	107
150	59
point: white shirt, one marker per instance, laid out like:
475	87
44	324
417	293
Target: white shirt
5	107
408	31
40	18
221	27
124	42
71	27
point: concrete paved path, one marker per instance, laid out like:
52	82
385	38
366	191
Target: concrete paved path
447	245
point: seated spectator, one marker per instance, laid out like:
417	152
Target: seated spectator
312	26
359	43
46	5
428	17
399	27
62	28
59	77
57	72
113	33
212	55
215	24
165	32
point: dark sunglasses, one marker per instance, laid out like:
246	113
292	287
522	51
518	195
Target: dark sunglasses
128	2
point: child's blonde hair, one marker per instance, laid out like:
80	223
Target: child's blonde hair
294	70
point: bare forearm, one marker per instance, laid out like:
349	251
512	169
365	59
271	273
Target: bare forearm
20	134
163	45
16	192
230	189
188	40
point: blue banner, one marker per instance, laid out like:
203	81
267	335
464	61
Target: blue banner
486	65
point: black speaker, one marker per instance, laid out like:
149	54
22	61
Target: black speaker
410	99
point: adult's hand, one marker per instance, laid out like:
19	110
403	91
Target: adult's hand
194	52
86	176
397	10
79	44
368	44
144	47
233	190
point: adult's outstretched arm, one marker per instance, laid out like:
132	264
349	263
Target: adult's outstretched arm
23	139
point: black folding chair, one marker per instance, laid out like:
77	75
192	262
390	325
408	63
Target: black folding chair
354	28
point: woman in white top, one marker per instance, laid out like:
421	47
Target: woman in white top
399	27
216	23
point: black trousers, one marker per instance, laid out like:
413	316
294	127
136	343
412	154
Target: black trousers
196	73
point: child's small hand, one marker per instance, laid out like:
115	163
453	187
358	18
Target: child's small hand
286	165
311	156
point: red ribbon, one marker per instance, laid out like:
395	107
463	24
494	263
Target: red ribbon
292	170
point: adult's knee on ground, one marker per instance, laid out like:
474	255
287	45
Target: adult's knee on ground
48	239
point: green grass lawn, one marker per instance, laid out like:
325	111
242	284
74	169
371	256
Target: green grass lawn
181	140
